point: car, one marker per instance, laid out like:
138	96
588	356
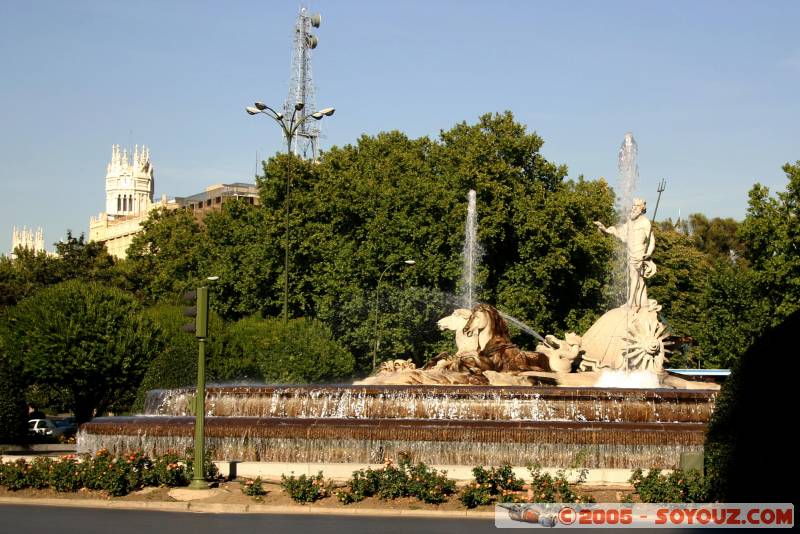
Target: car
45	427
67	425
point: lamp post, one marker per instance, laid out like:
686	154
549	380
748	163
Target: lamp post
198	476
289	127
377	299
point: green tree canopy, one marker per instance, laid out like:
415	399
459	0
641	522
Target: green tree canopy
716	237
84	341
771	237
300	352
176	364
165	258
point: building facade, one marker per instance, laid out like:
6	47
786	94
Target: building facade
28	239
214	196
130	183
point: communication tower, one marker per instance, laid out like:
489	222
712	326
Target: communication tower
301	85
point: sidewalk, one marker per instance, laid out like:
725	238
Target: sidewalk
197	506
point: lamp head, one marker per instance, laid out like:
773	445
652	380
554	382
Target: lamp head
299	106
327	111
260	106
251	110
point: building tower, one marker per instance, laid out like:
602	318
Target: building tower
129	183
301	86
26	238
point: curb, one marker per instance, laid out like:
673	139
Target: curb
222	508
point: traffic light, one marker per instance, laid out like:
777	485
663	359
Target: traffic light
199	311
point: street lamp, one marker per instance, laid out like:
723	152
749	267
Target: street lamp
377	298
198	476
289	127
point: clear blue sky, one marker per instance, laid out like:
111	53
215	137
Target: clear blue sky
709	88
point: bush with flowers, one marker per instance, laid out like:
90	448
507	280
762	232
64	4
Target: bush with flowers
304	488
14	475
116	475
496	484
404	480
66	474
254	488
210	470
548	488
678	486
168	470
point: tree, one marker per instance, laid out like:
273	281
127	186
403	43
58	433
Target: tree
165	258
74	259
679	286
13	410
176	364
771	237
734	313
302	351
27	272
85	341
243	250
84	260
363	208
746	445
716	237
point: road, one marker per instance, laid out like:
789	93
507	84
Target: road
24	519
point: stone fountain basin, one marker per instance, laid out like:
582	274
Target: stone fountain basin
627	445
469	403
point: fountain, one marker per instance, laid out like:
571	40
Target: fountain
487	403
471	254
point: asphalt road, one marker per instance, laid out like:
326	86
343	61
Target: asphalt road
24	519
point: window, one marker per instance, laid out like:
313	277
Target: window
218	200
208	202
119	203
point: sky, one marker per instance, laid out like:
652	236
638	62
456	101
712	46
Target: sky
709	89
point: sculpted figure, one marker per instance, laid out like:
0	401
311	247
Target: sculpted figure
561	353
456	322
640	242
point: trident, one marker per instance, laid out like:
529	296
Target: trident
661	187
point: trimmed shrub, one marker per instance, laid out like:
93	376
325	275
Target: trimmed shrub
87	344
168	470
496	484
405	480
746	449
547	488
176	365
66	474
302	351
254	488
678	486
305	489
13	411
14	475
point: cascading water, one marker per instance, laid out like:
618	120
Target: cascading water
469	425
628	179
471	254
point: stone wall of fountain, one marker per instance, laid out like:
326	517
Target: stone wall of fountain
437	424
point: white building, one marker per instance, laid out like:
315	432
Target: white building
129	198
27	238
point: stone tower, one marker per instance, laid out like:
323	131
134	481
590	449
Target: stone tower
26	238
129	183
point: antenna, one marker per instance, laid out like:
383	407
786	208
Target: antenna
301	85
